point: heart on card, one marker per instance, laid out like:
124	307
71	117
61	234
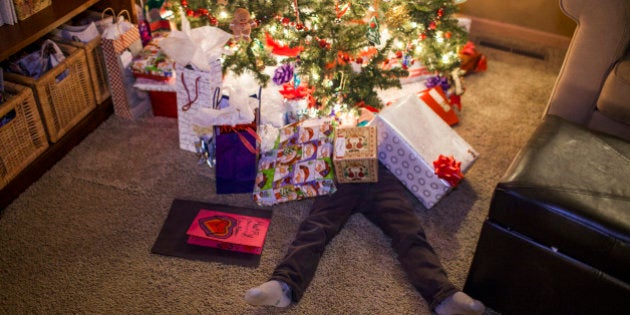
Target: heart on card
218	226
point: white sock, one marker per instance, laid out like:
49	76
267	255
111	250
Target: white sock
274	293
461	304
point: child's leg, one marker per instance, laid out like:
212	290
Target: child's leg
392	211
328	215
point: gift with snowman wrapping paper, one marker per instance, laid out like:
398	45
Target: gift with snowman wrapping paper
426	154
354	156
299	165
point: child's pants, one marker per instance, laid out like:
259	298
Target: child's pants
386	205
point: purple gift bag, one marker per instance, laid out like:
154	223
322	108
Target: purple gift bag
235	163
236	155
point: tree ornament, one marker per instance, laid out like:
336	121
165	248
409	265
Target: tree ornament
283	74
448	35
397	16
373	34
339	12
242	24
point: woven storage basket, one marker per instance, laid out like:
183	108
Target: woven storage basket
96	64
65	103
22	133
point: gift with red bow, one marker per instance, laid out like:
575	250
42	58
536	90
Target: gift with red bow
428	156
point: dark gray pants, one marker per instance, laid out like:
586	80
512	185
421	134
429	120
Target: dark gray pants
386	205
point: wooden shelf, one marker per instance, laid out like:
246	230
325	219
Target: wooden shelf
13	38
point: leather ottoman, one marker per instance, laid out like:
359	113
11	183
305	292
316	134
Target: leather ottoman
557	236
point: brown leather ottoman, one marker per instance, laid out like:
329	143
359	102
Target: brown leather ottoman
557	236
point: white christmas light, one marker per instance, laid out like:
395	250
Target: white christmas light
439	37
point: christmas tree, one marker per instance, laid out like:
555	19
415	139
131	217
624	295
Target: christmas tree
341	51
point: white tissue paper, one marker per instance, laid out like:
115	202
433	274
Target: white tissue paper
196	47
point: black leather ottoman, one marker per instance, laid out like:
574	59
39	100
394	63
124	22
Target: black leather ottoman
557	236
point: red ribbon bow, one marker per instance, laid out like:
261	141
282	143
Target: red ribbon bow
282	50
448	169
290	92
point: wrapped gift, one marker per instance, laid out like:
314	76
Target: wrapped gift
299	165
228	231
417	70
435	98
152	63
354	157
413	141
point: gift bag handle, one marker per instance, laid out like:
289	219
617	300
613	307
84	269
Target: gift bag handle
44	50
117	20
107	10
121	13
187	106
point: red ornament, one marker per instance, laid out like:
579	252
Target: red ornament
323	43
285	21
422	36
190	12
432	25
440	12
448	169
448	35
184	3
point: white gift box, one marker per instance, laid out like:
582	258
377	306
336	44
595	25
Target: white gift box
410	137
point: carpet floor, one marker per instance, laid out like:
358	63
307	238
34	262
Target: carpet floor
79	239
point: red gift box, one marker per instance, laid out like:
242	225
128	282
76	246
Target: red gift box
436	99
164	103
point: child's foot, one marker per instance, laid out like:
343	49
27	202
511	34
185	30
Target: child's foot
461	304
274	293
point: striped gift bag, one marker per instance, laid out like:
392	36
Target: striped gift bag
128	101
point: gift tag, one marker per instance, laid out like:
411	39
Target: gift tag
340	147
125	58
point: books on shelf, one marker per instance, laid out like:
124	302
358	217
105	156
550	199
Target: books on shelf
7	13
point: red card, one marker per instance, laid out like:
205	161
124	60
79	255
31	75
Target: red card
228	231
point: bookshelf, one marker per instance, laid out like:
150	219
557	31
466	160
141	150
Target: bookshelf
13	38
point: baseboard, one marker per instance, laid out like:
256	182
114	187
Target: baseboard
518	39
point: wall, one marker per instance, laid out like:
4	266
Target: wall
540	15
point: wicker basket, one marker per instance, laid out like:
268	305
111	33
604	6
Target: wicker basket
22	133
65	103
96	64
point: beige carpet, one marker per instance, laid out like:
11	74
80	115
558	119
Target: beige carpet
79	239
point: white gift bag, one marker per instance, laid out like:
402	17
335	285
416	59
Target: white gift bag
196	89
